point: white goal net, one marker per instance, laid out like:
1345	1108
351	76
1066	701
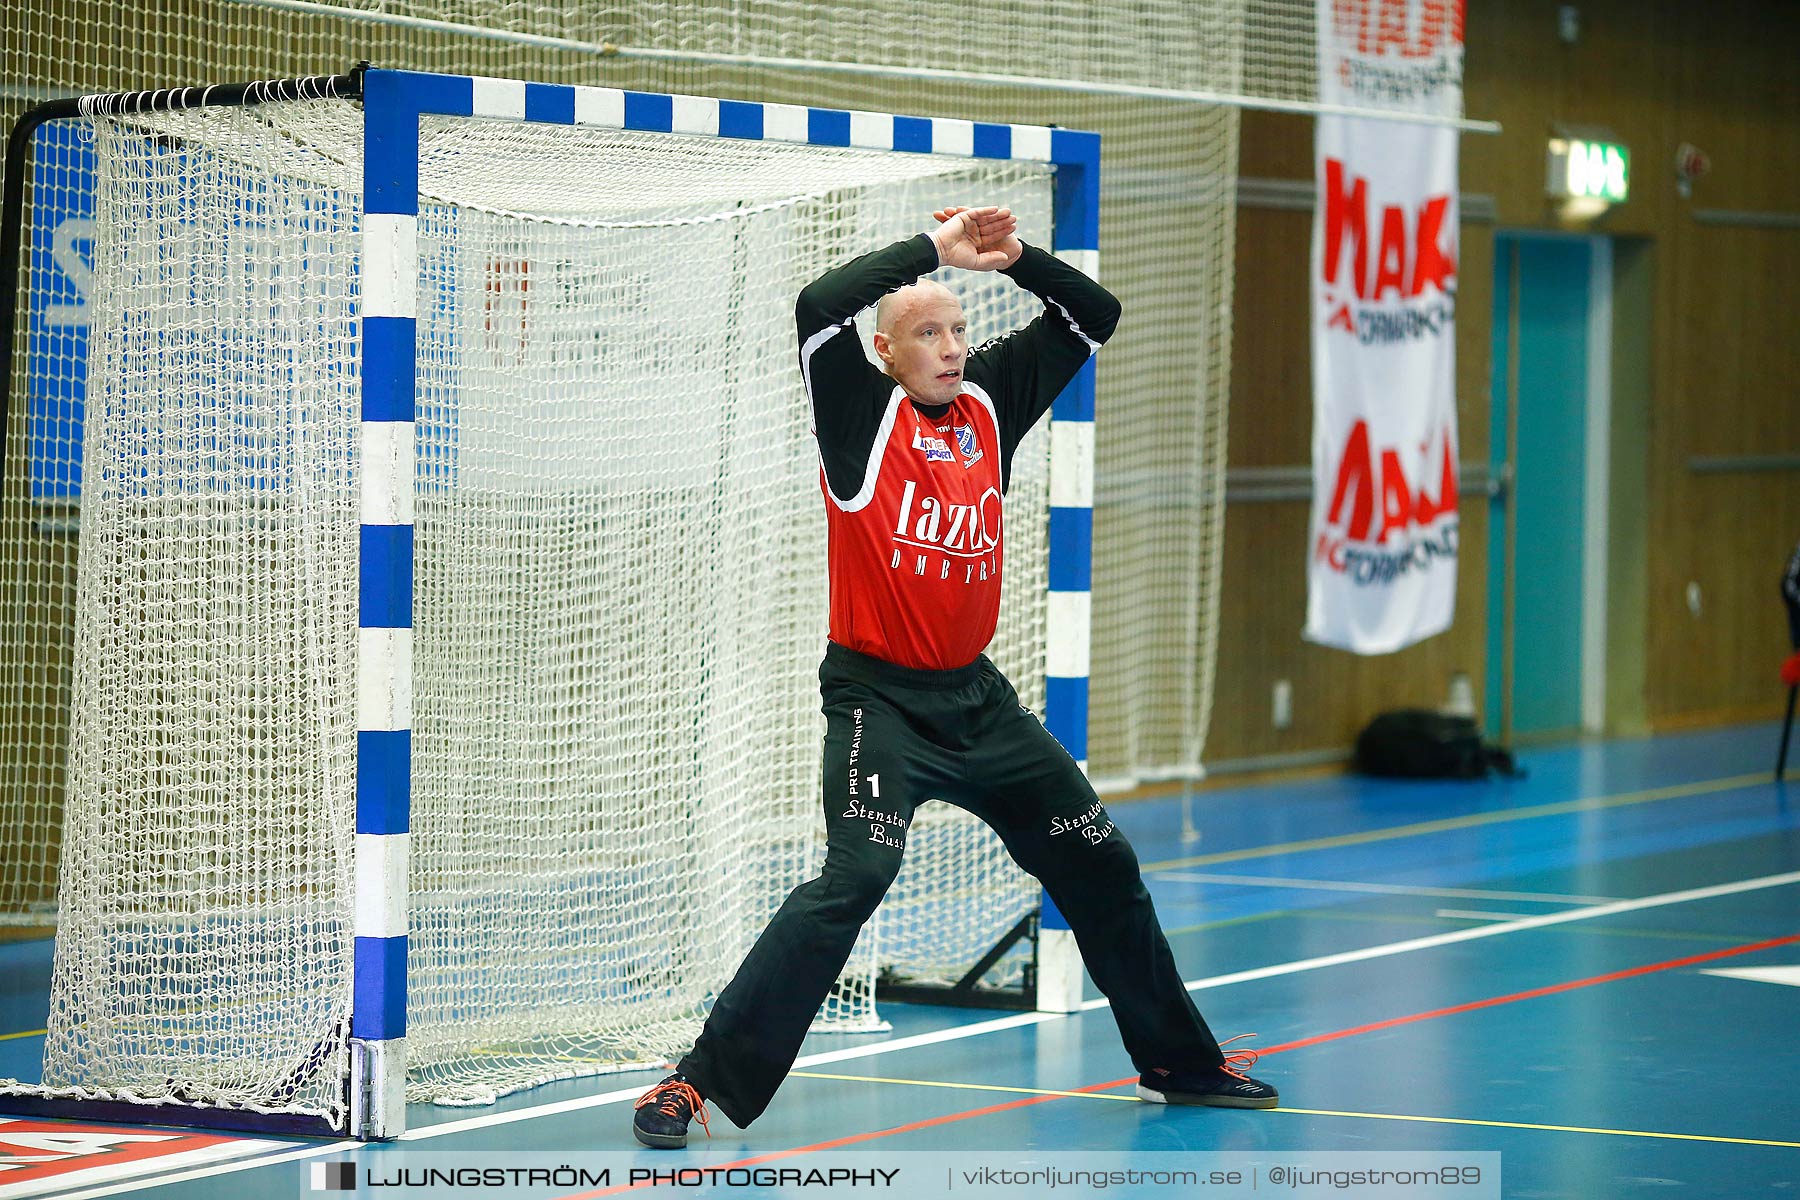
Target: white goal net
619	601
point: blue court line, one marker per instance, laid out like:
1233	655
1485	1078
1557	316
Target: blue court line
1382	889
1433	941
1385	918
1467	821
1462	850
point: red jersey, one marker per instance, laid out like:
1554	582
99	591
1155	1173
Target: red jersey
914	494
915	555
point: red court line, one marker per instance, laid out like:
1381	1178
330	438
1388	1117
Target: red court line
1472	1006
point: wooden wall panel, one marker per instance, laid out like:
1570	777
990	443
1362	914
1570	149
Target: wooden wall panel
1724	366
1264	604
1726	349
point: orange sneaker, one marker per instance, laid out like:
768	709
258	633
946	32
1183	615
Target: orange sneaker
664	1111
1226	1086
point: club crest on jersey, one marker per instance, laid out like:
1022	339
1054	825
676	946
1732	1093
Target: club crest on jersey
965	441
936	448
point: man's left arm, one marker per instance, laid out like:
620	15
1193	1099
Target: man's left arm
1026	370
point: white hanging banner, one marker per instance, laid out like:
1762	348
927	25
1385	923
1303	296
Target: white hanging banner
1382	550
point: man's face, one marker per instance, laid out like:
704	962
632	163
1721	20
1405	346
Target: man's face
922	338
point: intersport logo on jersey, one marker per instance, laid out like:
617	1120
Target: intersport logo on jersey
1382	549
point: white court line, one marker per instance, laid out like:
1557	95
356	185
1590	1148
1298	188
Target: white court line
811	1060
1024	1019
1470	914
1291	968
132	1173
519	1114
1381	889
267	1160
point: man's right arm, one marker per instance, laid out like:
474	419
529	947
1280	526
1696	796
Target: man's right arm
846	392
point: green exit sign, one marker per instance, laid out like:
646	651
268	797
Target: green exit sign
1584	170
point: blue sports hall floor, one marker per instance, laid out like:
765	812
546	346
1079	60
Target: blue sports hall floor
1592	972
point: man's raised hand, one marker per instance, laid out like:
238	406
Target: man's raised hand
977	239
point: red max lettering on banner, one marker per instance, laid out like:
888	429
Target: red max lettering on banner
1402	505
1396	497
1379	27
1347	220
1345	215
1353	476
1431	265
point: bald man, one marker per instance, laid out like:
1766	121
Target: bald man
914	461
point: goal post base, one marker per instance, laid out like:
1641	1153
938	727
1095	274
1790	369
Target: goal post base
377	1089
966	992
1060	972
180	1116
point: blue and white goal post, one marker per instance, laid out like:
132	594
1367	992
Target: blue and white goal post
393	103
418	922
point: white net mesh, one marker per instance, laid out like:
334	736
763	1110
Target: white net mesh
38	489
207	849
619	605
1167	231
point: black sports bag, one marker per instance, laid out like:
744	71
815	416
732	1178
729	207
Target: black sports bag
1417	743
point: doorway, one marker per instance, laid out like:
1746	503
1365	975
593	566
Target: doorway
1551	413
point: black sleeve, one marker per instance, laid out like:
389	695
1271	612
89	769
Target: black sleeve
1026	370
847	392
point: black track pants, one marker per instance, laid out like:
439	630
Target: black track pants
896	737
